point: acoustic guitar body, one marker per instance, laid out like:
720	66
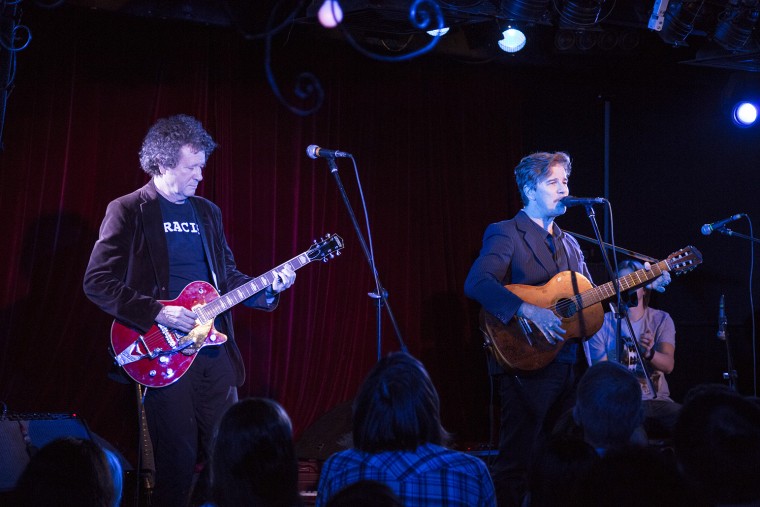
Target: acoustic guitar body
519	345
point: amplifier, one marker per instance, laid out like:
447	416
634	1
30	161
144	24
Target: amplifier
21	435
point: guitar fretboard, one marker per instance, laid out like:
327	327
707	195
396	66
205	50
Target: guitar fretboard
223	303
627	282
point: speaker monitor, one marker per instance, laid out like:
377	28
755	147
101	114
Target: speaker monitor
21	435
329	434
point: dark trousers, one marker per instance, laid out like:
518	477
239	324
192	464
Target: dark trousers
530	404
660	417
182	419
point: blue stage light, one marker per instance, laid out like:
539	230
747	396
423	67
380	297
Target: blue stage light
745	114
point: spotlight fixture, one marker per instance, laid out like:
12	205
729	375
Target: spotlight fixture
330	14
608	40
438	32
526	9
745	114
678	22
586	40
740	98
581	12
735	24
513	40
564	40
628	40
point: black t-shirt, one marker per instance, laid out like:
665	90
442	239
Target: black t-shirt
187	261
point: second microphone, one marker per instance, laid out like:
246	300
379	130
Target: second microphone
314	151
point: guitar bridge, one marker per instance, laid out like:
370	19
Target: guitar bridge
174	345
167	336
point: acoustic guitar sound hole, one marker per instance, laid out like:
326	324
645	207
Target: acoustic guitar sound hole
566	308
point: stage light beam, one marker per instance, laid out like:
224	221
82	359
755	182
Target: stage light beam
745	114
513	40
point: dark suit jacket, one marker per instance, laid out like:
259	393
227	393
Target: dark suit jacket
128	270
514	251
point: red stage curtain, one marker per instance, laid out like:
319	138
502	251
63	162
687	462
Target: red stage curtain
434	141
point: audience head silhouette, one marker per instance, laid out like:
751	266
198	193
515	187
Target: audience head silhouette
254	460
717	445
557	468
397	407
634	476
67	471
608	406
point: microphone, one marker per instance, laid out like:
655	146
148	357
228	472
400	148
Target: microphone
585	201
722	320
708	229
314	151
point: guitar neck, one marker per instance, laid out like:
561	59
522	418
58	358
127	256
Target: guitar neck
223	303
627	282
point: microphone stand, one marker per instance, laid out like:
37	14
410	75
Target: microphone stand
621	309
638	256
728	232
380	295
730	374
639	356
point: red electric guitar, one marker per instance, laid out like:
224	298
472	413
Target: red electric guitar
161	356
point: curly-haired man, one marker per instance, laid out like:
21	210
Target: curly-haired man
153	242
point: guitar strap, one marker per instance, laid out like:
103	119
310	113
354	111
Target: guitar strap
209	259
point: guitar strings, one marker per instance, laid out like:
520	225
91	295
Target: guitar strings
626	282
577	300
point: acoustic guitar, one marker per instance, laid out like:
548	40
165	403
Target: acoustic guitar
520	345
161	356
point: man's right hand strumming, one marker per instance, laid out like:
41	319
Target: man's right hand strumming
177	317
545	320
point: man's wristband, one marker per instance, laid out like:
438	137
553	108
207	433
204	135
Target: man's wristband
650	354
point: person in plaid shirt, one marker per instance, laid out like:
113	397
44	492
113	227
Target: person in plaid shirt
399	441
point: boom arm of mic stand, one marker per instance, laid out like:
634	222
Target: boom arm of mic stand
630	253
382	295
728	232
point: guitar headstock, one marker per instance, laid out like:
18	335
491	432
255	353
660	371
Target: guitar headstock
684	260
326	248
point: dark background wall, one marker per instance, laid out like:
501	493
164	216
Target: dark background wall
435	140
